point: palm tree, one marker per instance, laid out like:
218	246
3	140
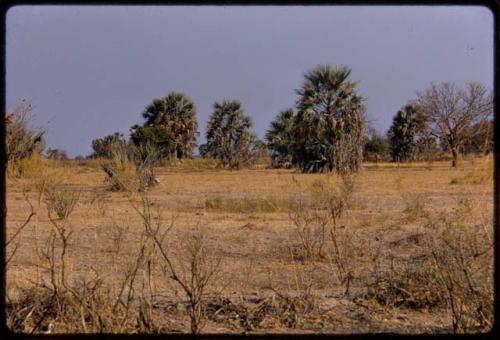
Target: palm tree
176	113
229	139
329	126
279	138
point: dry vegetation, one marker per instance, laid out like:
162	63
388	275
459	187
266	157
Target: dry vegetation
405	249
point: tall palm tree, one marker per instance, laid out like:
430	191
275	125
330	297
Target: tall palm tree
229	139
279	138
329	126
177	114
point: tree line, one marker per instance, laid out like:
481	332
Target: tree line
326	129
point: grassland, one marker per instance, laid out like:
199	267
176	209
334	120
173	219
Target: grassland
279	263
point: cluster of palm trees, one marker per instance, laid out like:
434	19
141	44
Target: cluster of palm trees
324	131
323	134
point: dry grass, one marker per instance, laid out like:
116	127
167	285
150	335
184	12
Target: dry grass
396	260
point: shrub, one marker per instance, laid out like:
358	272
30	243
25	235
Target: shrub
21	141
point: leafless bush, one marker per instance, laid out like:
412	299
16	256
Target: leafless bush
310	228
61	200
462	257
194	273
13	237
452	268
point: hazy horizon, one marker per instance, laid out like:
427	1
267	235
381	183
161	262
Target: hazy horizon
90	71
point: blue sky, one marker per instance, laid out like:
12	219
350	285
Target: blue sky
89	71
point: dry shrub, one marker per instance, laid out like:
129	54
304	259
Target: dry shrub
406	284
295	301
453	269
29	167
194	268
319	232
121	173
247	314
131	168
61	200
49	176
481	174
21	141
462	260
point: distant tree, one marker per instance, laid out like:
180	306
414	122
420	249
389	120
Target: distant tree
258	149
203	151
158	137
105	147
172	117
407	125
376	147
328	129
229	139
427	147
21	140
279	138
480	139
451	112
56	154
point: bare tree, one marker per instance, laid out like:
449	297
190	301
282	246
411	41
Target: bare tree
451	112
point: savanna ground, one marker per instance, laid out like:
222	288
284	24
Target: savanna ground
406	249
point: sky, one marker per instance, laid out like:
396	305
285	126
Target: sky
89	71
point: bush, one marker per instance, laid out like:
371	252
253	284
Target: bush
21	141
104	147
132	168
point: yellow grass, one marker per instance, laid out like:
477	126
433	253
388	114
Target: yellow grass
245	219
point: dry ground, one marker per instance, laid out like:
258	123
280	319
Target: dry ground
245	218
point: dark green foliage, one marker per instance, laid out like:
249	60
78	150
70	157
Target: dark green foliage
160	137
279	138
229	139
376	148
403	134
329	126
104	147
172	117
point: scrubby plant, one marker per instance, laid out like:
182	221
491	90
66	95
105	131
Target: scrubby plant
462	260
21	140
132	168
104	147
